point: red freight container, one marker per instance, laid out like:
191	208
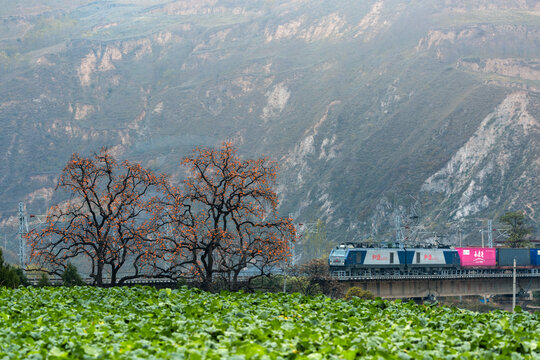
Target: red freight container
477	256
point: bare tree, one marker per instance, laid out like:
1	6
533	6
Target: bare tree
224	218
109	220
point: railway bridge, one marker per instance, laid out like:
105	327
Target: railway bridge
396	286
459	284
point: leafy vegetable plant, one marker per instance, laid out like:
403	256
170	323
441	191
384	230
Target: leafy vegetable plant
144	323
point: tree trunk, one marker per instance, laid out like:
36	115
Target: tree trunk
114	272
99	273
209	268
234	283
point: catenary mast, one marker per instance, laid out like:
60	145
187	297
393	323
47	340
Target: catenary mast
23	229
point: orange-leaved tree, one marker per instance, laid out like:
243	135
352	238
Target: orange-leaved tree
109	222
224	218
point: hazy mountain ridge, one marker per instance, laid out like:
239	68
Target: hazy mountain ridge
372	108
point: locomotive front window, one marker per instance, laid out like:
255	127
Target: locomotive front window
339	252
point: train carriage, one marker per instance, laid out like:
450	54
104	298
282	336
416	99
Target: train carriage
506	257
535	257
477	257
353	261
431	261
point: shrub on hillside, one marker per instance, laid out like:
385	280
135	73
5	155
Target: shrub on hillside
318	273
181	282
71	276
302	285
8	274
358	292
23	280
43	280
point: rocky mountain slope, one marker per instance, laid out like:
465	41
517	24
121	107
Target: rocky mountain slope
424	109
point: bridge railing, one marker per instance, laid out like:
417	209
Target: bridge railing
447	275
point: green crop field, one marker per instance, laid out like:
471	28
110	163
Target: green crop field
144	323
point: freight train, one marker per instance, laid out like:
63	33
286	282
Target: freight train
360	260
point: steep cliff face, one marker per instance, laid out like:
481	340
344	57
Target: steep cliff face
373	108
492	165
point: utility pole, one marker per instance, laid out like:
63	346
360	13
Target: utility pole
23	229
308	249
291	245
482	231
514	287
290	263
490	233
399	232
